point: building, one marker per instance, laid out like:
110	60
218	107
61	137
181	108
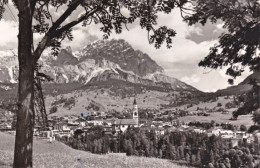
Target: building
81	121
215	131
159	131
135	112
95	122
122	124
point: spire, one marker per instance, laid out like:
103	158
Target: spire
135	102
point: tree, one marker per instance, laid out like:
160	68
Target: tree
54	109
219	105
35	16
256	117
252	102
237	48
243	128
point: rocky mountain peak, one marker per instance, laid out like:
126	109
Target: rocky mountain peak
68	48
100	62
121	53
65	58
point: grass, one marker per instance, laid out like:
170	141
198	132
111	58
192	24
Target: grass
83	98
218	117
58	155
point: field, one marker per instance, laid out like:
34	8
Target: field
218	117
58	155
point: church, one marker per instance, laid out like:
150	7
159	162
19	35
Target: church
122	124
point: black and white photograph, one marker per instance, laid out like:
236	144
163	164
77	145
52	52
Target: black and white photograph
130	83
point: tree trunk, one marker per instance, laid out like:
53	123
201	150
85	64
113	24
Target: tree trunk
25	114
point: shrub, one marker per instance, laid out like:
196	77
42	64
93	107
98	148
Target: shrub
53	109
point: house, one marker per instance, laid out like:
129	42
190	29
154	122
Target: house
214	131
145	128
234	142
189	129
123	124
143	121
73	122
108	130
65	129
81	121
62	128
159	131
199	130
157	123
95	122
180	129
171	129
108	122
227	134
167	124
102	114
246	137
249	139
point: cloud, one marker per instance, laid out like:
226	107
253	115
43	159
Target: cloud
8	34
195	30
191	79
190	45
219	27
81	38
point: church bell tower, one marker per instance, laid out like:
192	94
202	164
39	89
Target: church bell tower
135	112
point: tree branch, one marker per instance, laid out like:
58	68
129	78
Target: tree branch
48	36
66	14
75	22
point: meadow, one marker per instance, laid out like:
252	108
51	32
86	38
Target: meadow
58	155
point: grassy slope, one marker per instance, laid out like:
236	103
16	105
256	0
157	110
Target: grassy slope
150	100
56	154
218	117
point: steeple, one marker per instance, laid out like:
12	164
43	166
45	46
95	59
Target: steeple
135	111
135	102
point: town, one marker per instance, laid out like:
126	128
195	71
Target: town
112	126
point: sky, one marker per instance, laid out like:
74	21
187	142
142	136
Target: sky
190	45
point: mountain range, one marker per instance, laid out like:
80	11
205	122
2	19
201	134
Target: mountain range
107	74
98	62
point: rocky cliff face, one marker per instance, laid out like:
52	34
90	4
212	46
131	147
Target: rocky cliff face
121	53
8	66
99	61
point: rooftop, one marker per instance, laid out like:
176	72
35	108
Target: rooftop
125	122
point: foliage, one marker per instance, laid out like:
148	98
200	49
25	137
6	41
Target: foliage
56	154
107	13
238	46
205	125
243	128
67	102
53	109
253	128
256	117
92	105
194	149
219	105
252	102
228	126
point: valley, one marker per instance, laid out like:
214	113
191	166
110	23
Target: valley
108	89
